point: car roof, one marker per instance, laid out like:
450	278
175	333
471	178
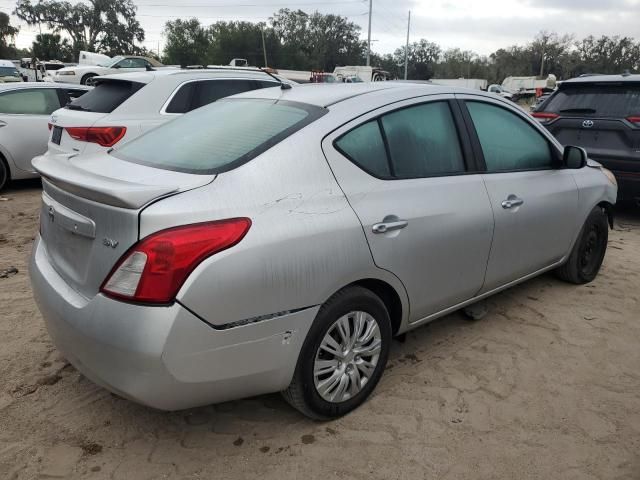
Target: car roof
149	76
19	85
327	94
602	79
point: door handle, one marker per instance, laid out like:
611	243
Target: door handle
511	202
385	227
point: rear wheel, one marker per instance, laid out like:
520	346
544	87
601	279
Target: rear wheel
86	79
343	356
588	253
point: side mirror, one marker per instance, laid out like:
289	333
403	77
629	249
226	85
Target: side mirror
117	65
574	158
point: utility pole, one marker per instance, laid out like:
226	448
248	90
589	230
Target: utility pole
264	49
406	47
369	36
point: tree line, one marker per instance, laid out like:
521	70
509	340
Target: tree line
296	40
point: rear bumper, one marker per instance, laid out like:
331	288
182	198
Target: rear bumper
165	357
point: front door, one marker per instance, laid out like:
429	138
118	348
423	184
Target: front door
535	202
425	214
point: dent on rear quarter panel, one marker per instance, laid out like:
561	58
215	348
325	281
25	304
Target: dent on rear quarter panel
593	188
304	244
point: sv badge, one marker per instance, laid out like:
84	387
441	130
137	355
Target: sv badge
107	242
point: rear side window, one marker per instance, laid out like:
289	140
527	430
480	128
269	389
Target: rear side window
618	101
41	101
364	147
220	136
508	142
199	93
423	141
106	96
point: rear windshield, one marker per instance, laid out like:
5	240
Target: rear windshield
618	101
106	96
220	136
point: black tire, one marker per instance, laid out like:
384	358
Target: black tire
5	175
302	393
86	78
588	253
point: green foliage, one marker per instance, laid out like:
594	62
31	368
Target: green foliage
7	34
50	46
188	43
105	26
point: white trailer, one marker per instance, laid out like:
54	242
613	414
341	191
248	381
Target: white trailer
473	83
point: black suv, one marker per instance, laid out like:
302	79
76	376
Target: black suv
602	114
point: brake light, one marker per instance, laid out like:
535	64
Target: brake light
154	270
105	136
544	117
635	120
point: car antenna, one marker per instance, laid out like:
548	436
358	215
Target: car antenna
283	86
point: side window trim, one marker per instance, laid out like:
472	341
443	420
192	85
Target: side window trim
477	147
468	161
469	154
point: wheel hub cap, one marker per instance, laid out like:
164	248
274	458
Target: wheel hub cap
347	357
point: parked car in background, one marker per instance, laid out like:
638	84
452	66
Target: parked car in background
84	73
25	108
274	240
602	114
500	90
8	72
122	107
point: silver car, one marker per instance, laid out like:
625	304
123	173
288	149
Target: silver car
278	240
24	114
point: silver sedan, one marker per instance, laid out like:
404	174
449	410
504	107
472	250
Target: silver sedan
25	108
278	240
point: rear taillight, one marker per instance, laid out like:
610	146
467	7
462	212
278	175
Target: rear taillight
544	117
635	119
154	270
105	136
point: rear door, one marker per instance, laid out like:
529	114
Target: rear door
24	114
535	203
604	118
410	177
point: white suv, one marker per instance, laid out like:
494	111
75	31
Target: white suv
122	107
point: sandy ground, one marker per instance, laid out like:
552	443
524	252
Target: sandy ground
546	386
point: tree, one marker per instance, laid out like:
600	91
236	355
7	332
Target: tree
317	41
7	34
105	26
188	43
422	58
241	40
50	46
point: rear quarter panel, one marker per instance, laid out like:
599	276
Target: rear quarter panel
305	242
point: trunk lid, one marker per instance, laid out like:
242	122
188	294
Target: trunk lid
90	211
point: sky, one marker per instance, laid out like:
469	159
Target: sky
479	25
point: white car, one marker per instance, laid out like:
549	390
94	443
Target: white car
81	74
500	90
123	107
25	108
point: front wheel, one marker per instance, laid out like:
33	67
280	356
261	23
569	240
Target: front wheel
4	174
87	79
588	253
343	356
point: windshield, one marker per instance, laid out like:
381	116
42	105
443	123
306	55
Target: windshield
220	136
111	62
9	72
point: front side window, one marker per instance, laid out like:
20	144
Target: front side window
220	136
508	142
132	63
42	101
